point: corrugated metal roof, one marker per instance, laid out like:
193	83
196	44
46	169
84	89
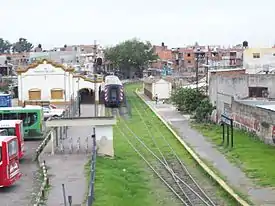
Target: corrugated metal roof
255	102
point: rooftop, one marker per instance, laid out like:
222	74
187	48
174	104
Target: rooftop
226	70
270	107
256	102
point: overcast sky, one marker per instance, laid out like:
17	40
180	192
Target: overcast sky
175	22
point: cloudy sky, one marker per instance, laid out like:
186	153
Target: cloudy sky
175	22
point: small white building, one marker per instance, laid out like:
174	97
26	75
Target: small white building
47	81
161	87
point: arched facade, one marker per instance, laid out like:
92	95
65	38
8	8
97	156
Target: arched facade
56	83
86	96
82	83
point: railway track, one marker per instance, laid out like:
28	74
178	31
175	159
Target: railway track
168	167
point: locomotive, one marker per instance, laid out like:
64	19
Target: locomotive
113	91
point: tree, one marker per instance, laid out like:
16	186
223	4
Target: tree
5	46
131	55
187	99
204	110
22	46
192	101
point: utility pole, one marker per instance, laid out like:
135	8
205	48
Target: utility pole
95	75
197	71
95	92
207	67
199	55
94	56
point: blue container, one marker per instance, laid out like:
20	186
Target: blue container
5	100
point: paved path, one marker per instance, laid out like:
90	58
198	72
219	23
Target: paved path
68	168
205	149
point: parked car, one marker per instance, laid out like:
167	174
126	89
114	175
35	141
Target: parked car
53	112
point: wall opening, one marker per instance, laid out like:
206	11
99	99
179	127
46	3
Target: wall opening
15	91
258	92
86	96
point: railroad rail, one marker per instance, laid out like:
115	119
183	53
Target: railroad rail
168	167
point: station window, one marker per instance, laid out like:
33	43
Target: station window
256	55
57	93
34	94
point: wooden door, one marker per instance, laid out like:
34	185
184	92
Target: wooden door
34	94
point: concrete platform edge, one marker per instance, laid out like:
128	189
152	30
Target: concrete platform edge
220	181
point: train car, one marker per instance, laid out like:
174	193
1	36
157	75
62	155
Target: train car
113	91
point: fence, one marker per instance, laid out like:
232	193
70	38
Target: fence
42	145
93	166
45	184
71	110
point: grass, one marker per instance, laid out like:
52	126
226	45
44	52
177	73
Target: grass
254	157
40	179
126	179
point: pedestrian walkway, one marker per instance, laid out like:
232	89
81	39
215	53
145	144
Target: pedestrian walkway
207	151
68	168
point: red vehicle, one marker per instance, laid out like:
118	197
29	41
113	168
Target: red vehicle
9	161
3	132
14	128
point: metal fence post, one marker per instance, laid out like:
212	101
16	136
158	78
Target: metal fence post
64	195
70	200
93	165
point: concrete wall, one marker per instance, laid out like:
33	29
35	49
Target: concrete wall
222	89
254	119
227	86
237	86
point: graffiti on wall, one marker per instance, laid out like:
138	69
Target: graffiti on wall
248	123
273	134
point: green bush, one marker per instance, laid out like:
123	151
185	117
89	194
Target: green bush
203	111
192	101
187	99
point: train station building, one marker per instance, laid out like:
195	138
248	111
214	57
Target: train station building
45	80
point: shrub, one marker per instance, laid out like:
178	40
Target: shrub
203	111
187	99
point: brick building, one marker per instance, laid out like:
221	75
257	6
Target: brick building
165	56
214	56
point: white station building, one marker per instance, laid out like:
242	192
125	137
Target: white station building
49	81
